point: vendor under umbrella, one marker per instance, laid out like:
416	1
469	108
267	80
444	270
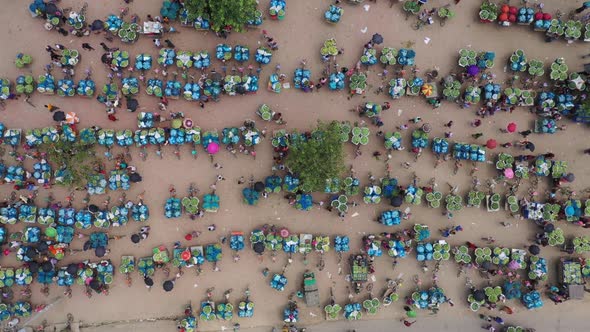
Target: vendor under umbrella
396	201
95	285
168	285
135	177
377	39
59	116
72	269
100	251
93	208
132	104
259	186
135	238
534	249
479	295
258	248
97	25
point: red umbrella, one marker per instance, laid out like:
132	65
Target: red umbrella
491	143
511	127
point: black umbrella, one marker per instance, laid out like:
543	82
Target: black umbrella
396	201
72	269
87	245
258	248
97	25
33	267
259	186
479	295
46	267
51	9
240	89
95	284
570	177
100	251
215	76
530	146
59	116
534	249
168	285
92	208
105	59
148	281
486	265
42	247
31	253
135	177
549	228
132	104
135	238
377	39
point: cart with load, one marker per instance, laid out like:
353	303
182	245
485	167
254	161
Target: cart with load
570	276
310	290
359	270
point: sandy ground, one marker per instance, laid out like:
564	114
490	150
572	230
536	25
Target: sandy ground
300	36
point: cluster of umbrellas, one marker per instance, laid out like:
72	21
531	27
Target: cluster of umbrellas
69	118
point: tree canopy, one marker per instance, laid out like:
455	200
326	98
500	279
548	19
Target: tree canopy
319	158
222	13
75	157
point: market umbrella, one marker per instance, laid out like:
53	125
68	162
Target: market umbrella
377	39
51	9
51	232
72	118
72	269
491	143
33	267
486	265
92	208
132	104
511	127
97	25
94	284
509	173
100	251
212	148
42	247
411	313
135	238
534	249
472	70
284	232
513	265
46	266
530	146
426	127
240	89
148	281
135	177
31	253
105	59
59	116
569	211
258	248
215	76
570	177
479	295
549	228
259	186
188	123
186	255
396	201
168	285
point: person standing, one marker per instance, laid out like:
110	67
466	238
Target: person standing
51	108
87	47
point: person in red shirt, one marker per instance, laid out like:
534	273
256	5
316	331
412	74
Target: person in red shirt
112	117
408	323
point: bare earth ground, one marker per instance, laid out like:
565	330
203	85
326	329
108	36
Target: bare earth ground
300	36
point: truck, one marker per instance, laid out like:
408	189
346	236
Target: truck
310	290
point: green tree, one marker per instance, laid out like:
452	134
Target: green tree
318	159
222	13
75	157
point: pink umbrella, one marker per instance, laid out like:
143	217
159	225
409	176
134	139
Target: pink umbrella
511	127
213	148
491	143
284	232
509	173
513	265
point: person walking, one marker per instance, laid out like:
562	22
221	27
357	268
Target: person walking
584	6
477	135
169	43
87	47
51	108
407	322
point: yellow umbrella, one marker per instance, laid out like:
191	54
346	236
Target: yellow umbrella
427	90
